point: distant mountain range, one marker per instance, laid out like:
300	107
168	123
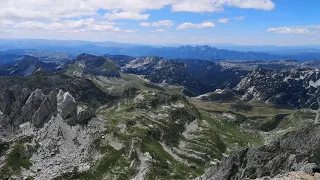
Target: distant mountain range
74	48
26	65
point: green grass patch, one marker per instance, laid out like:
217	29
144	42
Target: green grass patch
16	160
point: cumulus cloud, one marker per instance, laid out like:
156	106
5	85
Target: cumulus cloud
130	31
224	20
83	25
74	15
291	30
160	30
239	18
126	15
55	10
187	25
218	5
162	23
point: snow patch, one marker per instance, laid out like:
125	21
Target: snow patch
219	91
230	116
287	78
314	84
251	89
178	105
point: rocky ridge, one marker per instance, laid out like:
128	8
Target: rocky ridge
293	89
197	76
86	64
295	151
26	65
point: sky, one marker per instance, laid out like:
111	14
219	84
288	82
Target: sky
164	22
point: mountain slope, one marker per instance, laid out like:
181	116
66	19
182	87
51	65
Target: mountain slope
86	64
295	151
26	65
293	89
68	127
197	76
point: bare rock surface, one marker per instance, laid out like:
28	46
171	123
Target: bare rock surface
295	151
61	148
47	107
67	107
33	103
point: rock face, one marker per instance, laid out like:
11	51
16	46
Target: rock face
47	107
8	99
18	107
292	89
295	151
67	107
25	93
32	105
84	115
197	76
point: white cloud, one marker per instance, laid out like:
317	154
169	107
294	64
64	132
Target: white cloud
58	9
187	25
126	15
145	24
162	23
160	30
130	31
218	5
224	20
32	18
291	30
83	25
239	18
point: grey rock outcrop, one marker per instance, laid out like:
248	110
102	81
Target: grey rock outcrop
84	115
47	107
25	93
295	151
32	105
8	99
67	107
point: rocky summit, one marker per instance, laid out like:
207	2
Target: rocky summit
122	117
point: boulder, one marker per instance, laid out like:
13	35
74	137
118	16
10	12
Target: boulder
47	107
67	107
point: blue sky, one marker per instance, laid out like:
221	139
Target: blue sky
245	22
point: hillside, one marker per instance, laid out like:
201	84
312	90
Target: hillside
197	76
105	128
120	117
287	88
26	65
86	64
